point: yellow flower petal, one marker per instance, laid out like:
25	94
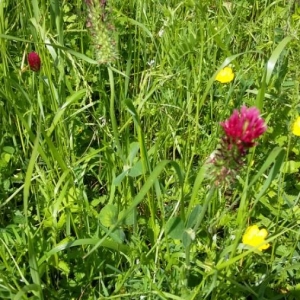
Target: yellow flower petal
225	75
255	237
264	247
296	127
263	233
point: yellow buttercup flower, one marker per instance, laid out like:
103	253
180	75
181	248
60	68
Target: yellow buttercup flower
225	75
255	237
296	127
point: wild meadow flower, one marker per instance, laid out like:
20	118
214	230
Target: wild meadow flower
102	31
242	128
296	127
255	237
34	61
240	133
226	75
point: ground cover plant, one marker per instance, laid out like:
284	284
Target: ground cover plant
149	149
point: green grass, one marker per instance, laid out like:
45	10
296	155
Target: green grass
103	190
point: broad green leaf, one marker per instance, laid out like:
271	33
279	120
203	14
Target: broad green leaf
9	150
188	236
109	215
133	150
6	157
117	181
192	218
129	218
136	170
175	228
118	235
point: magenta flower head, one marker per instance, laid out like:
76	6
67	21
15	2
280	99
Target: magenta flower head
34	61
240	132
243	127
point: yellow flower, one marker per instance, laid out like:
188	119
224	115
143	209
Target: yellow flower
255	237
225	75
296	127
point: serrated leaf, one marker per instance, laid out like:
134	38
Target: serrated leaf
19	219
290	167
47	223
282	250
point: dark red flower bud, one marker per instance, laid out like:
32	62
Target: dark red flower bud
34	61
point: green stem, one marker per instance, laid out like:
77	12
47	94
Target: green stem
112	114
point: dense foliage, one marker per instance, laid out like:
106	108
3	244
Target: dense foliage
112	115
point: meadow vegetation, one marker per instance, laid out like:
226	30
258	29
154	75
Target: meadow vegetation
114	143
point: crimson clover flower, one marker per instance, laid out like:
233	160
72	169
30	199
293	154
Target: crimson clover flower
243	127
34	61
240	133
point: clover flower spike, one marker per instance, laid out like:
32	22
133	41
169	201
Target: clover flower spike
34	61
243	127
255	237
226	75
296	127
